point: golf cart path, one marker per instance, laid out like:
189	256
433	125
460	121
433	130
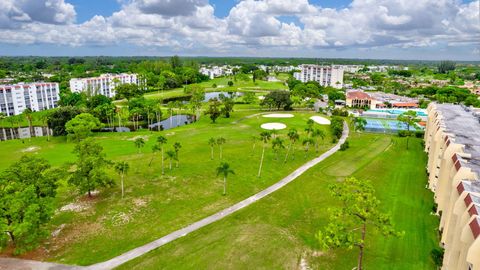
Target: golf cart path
139	251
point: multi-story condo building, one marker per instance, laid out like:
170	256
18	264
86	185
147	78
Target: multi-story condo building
102	85
452	141
324	75
15	98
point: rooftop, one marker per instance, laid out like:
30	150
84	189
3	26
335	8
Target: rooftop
464	126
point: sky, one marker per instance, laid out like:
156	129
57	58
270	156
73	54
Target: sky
382	29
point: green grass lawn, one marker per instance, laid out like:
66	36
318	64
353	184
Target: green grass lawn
156	205
222	85
278	232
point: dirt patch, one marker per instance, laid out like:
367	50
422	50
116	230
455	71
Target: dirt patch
30	149
144	137
58	230
74	233
75	207
121	218
139	202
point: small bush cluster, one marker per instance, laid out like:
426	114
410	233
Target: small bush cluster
344	146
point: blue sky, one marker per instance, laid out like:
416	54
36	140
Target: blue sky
400	29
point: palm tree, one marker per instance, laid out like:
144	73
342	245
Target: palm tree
28	115
158	113
277	144
220	142
170	106
44	118
176	148
155	149
171	156
139	143
122	168
264	137
293	136
274	133
315	134
359	123
307	142
161	140
254	139
212	142
309	128
225	170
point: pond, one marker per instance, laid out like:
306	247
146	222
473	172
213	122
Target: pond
169	123
22	133
212	95
25	133
208	97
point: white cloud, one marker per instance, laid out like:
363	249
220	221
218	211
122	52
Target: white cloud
15	12
169	8
191	25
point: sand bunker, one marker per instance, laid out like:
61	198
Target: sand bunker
278	115
273	126
320	120
145	138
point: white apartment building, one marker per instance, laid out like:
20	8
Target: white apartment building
102	85
284	69
352	68
324	75
15	98
216	71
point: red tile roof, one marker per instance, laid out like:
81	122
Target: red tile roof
358	95
405	104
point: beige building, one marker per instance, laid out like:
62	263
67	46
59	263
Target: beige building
376	100
452	141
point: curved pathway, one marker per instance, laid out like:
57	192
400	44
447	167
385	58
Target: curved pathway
137	252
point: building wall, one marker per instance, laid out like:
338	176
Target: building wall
449	173
103	85
14	99
324	75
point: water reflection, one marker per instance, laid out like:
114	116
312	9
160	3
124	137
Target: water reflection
212	95
172	122
169	123
22	133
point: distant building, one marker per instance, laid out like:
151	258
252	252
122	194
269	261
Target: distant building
102	85
15	98
352	68
376	100
284	69
216	71
324	75
453	145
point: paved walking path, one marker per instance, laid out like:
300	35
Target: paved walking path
14	264
137	252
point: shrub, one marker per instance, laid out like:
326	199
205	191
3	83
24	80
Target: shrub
344	146
336	126
403	133
340	112
437	256
419	134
